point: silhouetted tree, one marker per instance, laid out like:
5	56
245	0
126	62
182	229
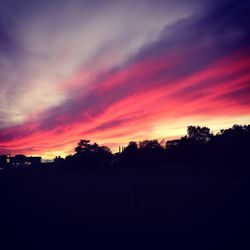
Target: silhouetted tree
150	144
151	152
129	156
132	147
228	148
191	149
145	153
84	146
198	134
89	155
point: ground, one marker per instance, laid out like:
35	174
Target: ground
152	208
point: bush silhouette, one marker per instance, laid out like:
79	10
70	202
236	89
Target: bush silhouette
89	155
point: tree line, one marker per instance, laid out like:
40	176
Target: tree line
200	147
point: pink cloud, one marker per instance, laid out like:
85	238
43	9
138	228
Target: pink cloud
130	101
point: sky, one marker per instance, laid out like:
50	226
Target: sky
117	71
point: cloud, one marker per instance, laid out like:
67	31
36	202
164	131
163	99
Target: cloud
55	40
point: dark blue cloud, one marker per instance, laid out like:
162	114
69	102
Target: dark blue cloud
220	28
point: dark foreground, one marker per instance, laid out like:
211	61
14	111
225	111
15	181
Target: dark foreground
157	208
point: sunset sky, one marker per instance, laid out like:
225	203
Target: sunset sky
116	71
